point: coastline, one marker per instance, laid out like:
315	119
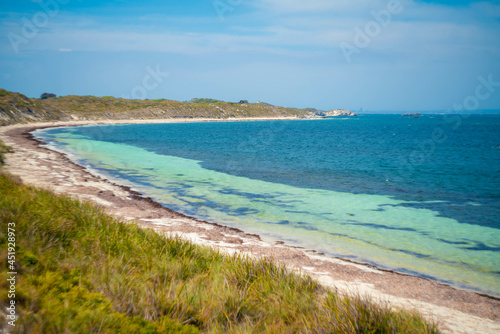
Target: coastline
455	310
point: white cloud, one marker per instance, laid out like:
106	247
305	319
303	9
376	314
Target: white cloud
431	40
320	6
306	29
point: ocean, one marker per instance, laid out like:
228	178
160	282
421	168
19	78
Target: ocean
415	195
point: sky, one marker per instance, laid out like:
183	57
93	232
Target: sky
361	55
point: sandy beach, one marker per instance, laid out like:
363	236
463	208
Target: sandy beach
455	310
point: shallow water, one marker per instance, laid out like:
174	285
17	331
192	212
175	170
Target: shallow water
419	196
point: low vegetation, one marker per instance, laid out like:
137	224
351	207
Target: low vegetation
204	100
82	271
17	108
45	96
3	149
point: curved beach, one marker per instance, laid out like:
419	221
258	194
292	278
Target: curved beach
457	311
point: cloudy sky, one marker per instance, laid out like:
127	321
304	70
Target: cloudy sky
379	55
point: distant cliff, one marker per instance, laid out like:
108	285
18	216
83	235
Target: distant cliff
17	108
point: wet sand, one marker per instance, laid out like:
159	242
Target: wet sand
455	310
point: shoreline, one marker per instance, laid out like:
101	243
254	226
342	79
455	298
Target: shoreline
454	309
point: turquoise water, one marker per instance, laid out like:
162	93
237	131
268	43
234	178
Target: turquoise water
419	196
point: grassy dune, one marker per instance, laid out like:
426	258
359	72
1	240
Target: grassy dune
82	271
17	108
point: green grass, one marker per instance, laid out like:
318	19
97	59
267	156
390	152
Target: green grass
204	100
17	108
3	149
82	271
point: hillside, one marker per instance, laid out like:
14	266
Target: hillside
17	108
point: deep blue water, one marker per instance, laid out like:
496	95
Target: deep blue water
426	159
445	165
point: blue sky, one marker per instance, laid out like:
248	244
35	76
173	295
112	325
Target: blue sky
379	55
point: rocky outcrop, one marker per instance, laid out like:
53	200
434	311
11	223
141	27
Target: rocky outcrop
335	113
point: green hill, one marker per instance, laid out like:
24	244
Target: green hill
17	108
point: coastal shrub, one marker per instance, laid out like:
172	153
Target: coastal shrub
45	96
82	271
204	100
4	149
